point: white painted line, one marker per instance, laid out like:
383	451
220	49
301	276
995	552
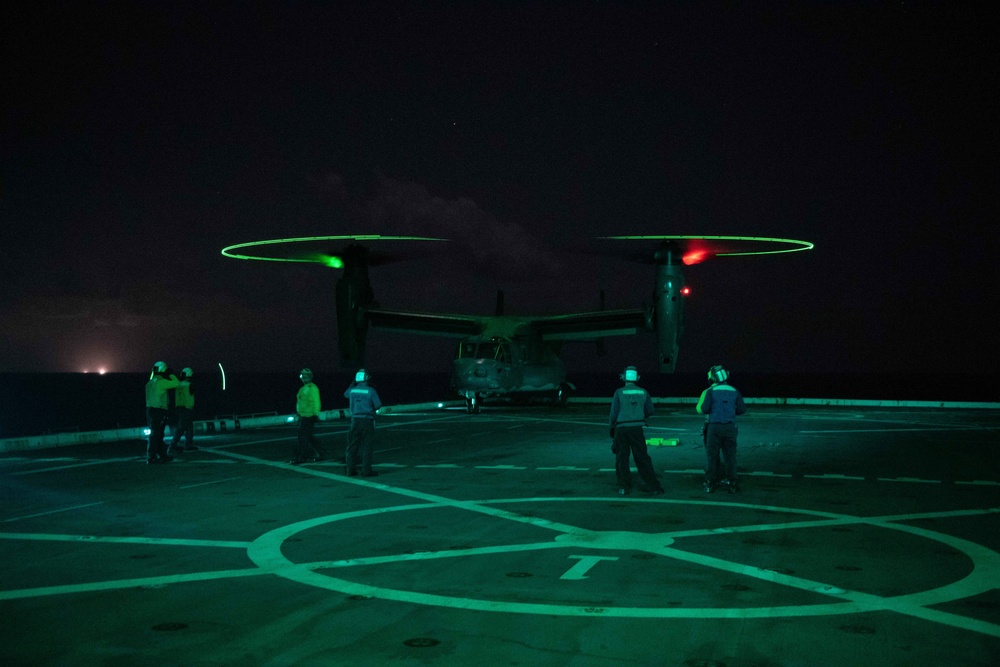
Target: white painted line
978	482
899	430
833	476
562	468
128	583
439	465
77	465
65	509
909	479
217	481
501	467
689	471
161	541
766	474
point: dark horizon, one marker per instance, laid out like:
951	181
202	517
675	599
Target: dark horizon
37	403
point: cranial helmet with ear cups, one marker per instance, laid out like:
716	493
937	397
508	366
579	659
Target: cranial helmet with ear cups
718	374
630	374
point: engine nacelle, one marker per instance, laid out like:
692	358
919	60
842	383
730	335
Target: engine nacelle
669	306
354	294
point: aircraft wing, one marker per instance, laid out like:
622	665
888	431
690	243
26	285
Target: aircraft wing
455	326
591	326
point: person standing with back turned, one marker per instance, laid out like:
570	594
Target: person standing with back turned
722	403
365	403
630	407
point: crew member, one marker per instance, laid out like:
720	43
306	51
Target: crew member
721	403
184	402
365	403
161	381
307	406
630	407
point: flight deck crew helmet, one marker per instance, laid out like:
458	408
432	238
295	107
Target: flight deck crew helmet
306	375
361	375
718	374
630	374
187	372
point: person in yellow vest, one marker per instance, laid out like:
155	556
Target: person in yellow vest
184	403
307	406
161	381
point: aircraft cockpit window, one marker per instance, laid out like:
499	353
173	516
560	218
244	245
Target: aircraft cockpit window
493	349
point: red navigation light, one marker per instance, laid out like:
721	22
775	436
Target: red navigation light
694	257
685	291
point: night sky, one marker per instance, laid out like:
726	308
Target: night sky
139	139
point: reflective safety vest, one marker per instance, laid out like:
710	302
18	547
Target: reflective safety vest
630	406
307	400
365	401
156	391
183	397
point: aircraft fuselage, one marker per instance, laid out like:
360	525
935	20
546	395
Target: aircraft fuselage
488	367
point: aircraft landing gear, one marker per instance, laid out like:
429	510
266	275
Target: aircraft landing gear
562	395
472	404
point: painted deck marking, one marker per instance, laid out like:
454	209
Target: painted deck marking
582	566
65	509
215	481
266	552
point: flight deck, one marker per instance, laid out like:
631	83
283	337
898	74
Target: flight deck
861	536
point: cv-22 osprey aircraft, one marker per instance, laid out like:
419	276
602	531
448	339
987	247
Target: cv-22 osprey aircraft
503	356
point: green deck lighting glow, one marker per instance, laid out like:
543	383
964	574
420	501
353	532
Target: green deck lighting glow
793	244
304	249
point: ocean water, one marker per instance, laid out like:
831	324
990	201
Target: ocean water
42	403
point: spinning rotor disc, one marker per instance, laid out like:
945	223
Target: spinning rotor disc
696	249
327	250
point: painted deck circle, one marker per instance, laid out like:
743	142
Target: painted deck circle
266	553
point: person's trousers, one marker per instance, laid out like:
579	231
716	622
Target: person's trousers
307	446
721	438
632	440
360	439
156	419
184	428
